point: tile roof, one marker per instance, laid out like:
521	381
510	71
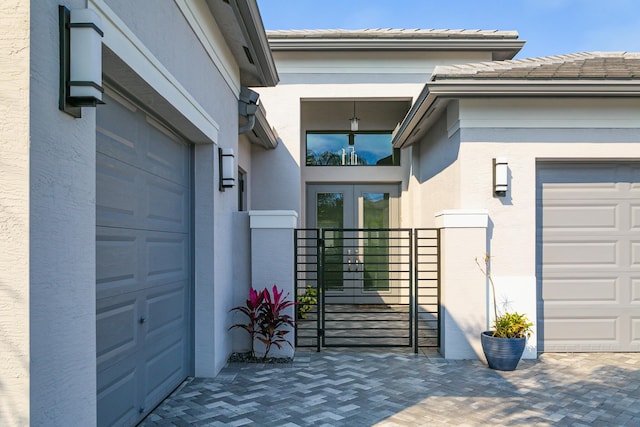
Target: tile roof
383	33
578	66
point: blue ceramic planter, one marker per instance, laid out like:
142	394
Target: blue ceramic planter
502	354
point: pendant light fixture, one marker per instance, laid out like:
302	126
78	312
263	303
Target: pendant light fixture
354	120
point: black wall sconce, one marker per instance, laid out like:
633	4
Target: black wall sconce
80	60
226	168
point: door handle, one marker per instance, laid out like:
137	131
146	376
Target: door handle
356	260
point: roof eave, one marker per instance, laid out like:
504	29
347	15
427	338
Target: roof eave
248	15
263	134
503	48
420	116
240	23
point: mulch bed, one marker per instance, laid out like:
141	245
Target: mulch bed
247	358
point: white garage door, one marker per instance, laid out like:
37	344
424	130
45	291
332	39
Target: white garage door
588	229
143	263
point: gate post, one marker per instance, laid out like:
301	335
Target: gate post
272	261
463	288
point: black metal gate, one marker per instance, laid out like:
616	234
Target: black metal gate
367	288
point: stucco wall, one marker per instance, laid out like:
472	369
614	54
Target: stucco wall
436	172
62	240
14	212
512	218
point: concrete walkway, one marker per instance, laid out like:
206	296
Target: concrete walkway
389	389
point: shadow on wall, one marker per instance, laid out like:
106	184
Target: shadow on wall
437	151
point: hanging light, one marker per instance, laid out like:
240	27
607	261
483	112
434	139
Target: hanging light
354	120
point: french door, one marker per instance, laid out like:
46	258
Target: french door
358	253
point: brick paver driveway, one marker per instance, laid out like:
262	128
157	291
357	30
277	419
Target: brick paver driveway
386	389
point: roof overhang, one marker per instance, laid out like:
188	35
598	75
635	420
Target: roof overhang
501	48
242	28
437	94
263	134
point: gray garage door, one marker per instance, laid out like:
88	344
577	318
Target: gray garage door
589	257
143	263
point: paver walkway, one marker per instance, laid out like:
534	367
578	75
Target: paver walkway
389	389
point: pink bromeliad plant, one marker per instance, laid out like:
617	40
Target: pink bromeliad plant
266	318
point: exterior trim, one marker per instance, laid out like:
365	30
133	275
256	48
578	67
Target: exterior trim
503	49
564	134
201	21
273	219
420	117
462	218
124	43
263	134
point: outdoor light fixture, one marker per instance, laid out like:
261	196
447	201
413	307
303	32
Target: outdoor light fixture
500	176
226	168
80	60
354	120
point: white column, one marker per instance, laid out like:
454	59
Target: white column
463	287
272	259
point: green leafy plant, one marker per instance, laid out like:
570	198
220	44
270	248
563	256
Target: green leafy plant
266	318
307	301
506	325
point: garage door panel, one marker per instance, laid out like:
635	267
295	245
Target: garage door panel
588	218
635	253
130	198
118	254
165	156
163	371
635	290
117	393
116	195
117	319
635	216
166	205
635	331
166	258
593	217
574	329
162	313
581	252
565	290
118	141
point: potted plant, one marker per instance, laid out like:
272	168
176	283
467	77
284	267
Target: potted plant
503	346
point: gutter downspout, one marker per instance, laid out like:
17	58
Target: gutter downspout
247	107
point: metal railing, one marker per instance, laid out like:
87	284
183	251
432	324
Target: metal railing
367	288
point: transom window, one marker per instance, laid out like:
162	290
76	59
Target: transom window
351	149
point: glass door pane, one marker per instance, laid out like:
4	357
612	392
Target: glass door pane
375	217
330	215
